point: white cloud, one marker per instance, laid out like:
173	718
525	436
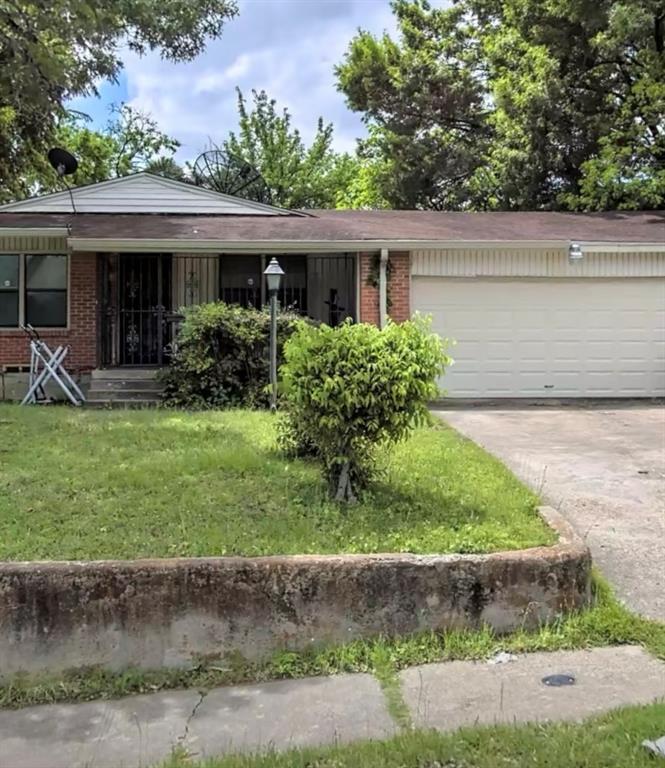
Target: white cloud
217	80
287	47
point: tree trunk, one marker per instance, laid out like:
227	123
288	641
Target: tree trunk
344	492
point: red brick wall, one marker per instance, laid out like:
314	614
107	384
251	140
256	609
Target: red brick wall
399	288
82	332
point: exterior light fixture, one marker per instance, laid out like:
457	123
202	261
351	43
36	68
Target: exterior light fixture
274	274
575	252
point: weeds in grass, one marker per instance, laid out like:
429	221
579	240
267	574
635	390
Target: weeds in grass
611	741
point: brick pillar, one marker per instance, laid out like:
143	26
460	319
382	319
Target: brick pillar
369	294
399	288
81	333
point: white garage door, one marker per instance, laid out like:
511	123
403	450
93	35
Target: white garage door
549	337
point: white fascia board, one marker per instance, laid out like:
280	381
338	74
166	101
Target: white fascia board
216	246
34	231
268	246
614	247
145	245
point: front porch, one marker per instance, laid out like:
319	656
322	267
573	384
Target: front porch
142	295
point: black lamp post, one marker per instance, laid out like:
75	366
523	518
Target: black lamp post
274	274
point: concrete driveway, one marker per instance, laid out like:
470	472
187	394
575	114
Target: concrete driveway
604	469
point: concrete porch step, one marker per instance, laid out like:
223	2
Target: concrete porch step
126	374
124	388
119	385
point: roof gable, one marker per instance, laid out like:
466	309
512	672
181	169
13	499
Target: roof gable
143	193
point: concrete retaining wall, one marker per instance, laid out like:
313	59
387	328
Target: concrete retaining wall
154	613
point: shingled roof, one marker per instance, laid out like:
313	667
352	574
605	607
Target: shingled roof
354	226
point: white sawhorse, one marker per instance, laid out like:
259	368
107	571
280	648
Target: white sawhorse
45	365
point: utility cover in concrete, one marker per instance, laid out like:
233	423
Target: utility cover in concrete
455	694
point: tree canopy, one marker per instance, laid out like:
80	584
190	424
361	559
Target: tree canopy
298	176
51	52
515	104
130	142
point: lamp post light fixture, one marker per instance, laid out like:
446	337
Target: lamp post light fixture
273	273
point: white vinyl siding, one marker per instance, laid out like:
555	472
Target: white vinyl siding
534	262
142	193
195	279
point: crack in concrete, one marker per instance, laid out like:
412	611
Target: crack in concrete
182	739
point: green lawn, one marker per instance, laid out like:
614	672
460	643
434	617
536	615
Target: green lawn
84	484
610	741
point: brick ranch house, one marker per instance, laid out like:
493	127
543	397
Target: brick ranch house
539	304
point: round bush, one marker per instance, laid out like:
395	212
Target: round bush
350	389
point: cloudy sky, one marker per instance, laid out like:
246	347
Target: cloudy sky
287	47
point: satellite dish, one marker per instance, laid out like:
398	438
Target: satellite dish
64	162
223	172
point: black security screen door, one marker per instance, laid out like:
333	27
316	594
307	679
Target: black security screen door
144	294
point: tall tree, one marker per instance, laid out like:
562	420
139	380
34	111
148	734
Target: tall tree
516	103
130	142
423	100
297	175
51	52
579	95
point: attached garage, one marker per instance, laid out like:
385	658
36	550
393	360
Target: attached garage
530	323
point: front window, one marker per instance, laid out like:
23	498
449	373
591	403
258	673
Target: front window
33	290
46	291
242	281
9	290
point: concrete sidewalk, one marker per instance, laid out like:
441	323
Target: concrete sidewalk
142	730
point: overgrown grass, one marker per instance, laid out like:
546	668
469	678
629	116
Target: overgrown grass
611	741
82	484
606	623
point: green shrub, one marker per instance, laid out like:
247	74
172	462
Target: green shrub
351	389
222	357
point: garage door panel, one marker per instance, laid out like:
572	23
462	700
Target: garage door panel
658	382
531	350
604	319
549	337
531	318
632	348
566	350
570	321
499	350
599	349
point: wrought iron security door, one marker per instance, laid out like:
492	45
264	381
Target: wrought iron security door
144	301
